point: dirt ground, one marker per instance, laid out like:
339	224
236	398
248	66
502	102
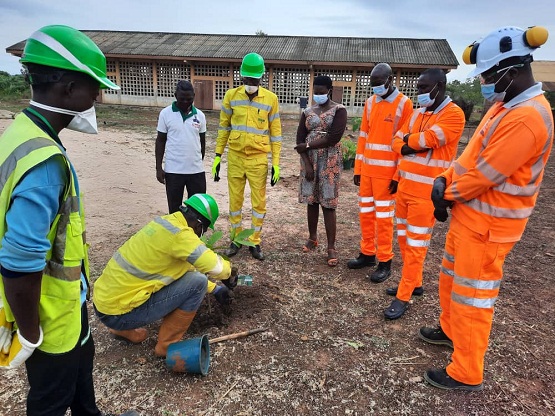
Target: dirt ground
328	349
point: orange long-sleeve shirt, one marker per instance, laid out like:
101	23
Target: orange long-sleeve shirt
496	180
380	120
439	132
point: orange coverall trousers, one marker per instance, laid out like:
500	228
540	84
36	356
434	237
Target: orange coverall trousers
471	273
376	212
415	222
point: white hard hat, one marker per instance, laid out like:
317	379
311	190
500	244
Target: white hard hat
503	43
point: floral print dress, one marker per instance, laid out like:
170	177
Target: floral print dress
326	162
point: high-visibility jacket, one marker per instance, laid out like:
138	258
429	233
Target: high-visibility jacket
25	145
439	131
381	119
156	256
495	181
250	128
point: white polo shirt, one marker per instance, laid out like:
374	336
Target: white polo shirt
183	154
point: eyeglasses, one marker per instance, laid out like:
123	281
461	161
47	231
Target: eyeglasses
489	76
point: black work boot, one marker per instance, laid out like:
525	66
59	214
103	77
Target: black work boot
440	379
232	250
435	336
392	291
256	252
382	272
363	260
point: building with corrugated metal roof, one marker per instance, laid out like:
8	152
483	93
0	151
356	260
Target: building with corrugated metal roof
147	65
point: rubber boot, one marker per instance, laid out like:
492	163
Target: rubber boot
363	260
135	336
174	326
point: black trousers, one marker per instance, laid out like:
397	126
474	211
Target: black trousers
62	381
176	184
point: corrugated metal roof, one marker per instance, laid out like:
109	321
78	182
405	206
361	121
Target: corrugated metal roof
396	51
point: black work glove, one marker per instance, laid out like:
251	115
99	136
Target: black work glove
231	281
356	180
392	188
221	293
438	189
407	150
441	214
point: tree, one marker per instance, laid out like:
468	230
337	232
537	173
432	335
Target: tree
260	33
467	95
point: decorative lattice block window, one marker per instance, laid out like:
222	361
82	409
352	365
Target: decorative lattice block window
290	83
168	75
220	87
363	90
346	98
136	78
219	71
111	74
238	79
407	85
335	74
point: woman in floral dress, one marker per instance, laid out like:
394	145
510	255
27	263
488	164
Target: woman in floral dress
320	130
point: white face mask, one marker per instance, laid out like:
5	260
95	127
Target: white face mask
251	89
84	121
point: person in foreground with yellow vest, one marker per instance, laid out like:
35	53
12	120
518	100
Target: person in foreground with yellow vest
43	253
161	273
427	143
251	126
375	167
492	189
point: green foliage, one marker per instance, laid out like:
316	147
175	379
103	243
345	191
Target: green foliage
355	123
467	95
260	33
348	148
13	86
242	238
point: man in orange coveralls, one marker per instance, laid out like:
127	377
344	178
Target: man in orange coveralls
428	145
492	188
375	166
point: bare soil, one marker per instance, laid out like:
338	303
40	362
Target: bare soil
328	349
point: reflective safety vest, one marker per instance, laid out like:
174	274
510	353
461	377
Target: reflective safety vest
439	132
250	128
496	180
156	256
23	146
381	119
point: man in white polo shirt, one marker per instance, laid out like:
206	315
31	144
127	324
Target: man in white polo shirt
181	138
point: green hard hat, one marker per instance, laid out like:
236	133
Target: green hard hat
205	205
64	47
252	66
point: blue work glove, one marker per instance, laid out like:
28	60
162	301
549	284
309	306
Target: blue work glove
221	293
275	175
216	168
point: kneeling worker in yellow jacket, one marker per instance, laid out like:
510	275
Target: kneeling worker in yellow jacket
161	272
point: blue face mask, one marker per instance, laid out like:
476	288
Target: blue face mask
488	90
320	99
424	100
380	90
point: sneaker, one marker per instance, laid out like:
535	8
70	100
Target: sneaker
382	272
256	252
232	250
435	336
392	291
363	260
442	380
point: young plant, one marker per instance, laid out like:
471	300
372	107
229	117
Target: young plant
348	149
242	238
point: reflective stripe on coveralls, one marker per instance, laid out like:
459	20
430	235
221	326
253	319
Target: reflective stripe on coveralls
377	163
162	252
23	146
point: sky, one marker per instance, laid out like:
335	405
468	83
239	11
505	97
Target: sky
459	22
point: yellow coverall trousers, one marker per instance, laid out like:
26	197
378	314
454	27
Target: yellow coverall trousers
469	281
415	222
239	170
377	208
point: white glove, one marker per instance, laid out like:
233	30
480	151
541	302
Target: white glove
6	330
20	350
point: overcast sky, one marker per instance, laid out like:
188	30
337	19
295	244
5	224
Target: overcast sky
459	22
